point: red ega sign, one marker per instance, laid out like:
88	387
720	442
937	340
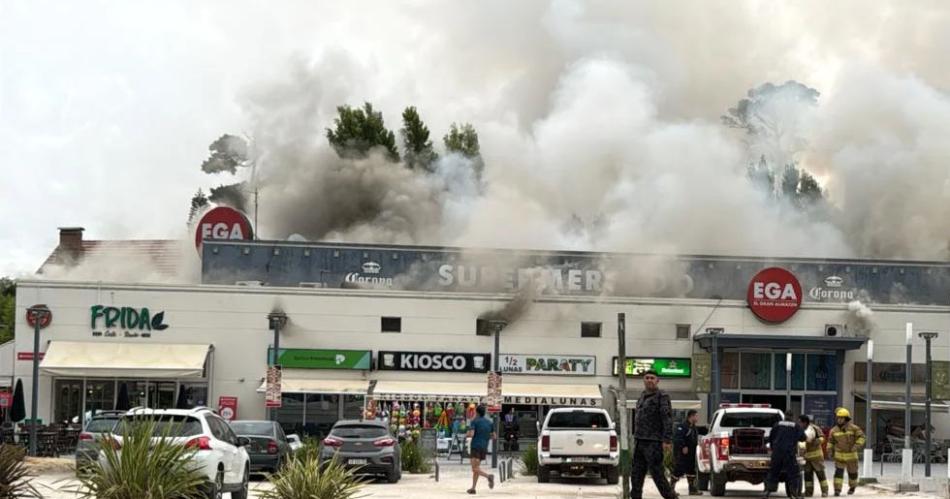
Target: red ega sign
774	295
223	222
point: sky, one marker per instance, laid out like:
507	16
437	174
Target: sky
107	109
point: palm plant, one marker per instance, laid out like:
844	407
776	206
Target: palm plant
14	477
143	465
307	478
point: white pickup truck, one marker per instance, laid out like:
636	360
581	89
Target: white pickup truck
736	447
578	442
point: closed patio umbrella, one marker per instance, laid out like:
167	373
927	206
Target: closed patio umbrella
18	411
122	402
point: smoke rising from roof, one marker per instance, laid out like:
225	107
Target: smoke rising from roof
599	130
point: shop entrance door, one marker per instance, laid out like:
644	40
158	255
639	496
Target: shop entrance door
161	394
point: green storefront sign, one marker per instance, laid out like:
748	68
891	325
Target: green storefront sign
305	358
665	367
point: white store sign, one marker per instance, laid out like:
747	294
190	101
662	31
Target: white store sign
550	365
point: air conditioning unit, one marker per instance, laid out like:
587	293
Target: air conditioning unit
252	284
836	330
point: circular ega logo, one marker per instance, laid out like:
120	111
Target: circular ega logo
222	222
774	295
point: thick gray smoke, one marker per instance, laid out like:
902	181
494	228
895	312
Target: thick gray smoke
599	126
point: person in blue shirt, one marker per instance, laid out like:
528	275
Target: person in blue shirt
481	430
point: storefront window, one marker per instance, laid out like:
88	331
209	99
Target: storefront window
100	396
756	371
321	414
352	406
195	394
68	400
290	413
823	371
798	371
729	370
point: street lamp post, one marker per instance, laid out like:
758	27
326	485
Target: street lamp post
496	327
868	449
38	314
714	381
907	454
276	321
928	337
788	381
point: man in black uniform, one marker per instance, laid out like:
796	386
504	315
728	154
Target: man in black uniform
685	440
652	433
783	440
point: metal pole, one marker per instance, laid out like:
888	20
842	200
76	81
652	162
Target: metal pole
38	317
907	455
928	437
494	450
788	381
715	388
868	449
622	402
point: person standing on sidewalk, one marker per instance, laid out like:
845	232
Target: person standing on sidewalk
481	431
846	440
783	442
653	434
814	457
685	440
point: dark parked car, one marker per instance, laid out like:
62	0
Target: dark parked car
269	448
366	446
87	449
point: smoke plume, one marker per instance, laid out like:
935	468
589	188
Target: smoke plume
608	138
860	318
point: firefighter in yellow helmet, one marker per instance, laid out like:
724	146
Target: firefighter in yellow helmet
846	441
814	457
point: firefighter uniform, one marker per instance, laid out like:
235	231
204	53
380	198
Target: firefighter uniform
815	461
846	440
783	440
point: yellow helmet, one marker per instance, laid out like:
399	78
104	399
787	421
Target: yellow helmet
842	413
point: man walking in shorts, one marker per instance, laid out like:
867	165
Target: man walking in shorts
481	431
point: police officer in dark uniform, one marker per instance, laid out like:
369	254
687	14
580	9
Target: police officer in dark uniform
685	440
652	433
783	440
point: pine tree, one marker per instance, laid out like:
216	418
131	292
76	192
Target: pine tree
359	130
417	148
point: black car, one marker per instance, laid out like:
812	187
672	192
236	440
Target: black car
269	448
366	446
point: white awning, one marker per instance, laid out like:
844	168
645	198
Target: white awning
896	402
550	394
128	360
328	386
434	391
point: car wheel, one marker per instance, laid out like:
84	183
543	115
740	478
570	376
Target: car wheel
392	476
717	484
613	475
242	493
544	474
216	489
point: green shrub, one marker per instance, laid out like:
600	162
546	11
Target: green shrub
307	478
529	460
158	468
414	458
14	477
310	449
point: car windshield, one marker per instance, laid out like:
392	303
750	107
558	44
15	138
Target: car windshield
750	419
578	419
359	431
265	428
101	425
165	425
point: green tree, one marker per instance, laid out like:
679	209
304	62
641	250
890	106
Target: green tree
7	308
417	148
198	202
357	131
228	153
771	116
463	139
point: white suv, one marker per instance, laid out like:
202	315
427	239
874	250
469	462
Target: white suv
219	452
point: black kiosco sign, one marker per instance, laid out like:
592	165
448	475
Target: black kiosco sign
434	361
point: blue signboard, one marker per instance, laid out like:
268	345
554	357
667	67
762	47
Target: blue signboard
821	408
337	265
